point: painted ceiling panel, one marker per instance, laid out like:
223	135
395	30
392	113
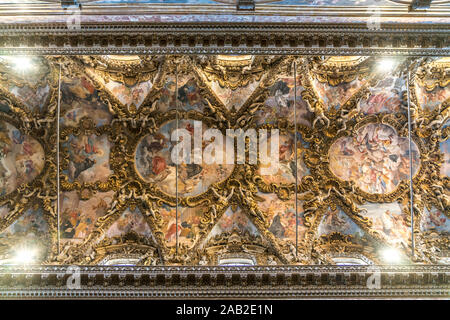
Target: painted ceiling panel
389	220
386	96
78	217
288	167
234	98
130	220
130	96
430	99
231	221
31	88
190	220
336	96
88	158
340	182
22	156
336	221
281	217
376	160
436	220
80	98
282	94
153	160
30	230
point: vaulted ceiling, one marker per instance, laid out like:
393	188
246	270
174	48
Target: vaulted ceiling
340	186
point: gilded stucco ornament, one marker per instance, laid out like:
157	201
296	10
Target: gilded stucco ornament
235	71
434	74
337	70
317	190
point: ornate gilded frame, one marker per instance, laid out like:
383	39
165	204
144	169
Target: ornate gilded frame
418	40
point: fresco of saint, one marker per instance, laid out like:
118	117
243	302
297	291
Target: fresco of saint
429	100
168	99
235	97
130	95
187	227
336	96
169	226
153	159
34	99
281	217
88	158
189	95
78	217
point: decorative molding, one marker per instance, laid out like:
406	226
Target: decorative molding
274	282
226	38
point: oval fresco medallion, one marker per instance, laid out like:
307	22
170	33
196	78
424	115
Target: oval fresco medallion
154	163
21	158
377	159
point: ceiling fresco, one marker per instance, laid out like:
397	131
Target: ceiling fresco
258	2
334	180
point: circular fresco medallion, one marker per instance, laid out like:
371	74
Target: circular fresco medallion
377	159
156	158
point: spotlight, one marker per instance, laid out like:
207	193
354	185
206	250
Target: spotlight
24	256
391	255
385	65
21	63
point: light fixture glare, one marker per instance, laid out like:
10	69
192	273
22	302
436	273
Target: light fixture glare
21	63
385	65
391	255
24	256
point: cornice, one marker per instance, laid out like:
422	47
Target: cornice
230	38
220	9
40	28
274	282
